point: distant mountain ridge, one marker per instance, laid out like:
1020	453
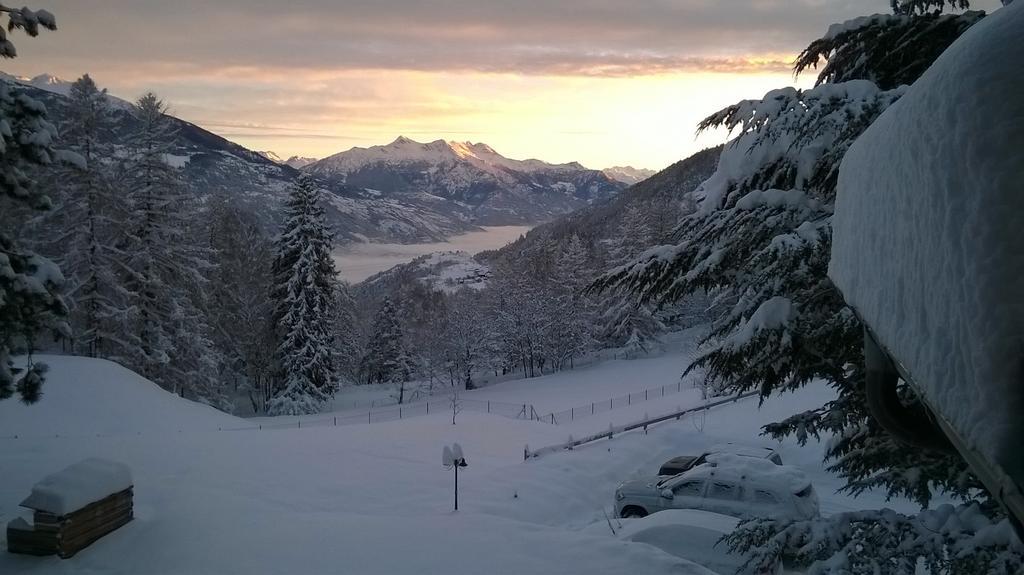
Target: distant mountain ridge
402	192
477	182
213	166
299	162
628	174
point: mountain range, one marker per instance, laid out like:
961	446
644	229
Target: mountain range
658	198
402	192
470	180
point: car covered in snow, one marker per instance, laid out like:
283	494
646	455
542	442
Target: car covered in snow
728	484
682	463
691	534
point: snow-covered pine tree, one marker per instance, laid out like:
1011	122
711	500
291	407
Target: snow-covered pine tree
571	332
81	231
465	335
760	239
167	333
387	359
305	296
626	322
241	311
30	299
347	335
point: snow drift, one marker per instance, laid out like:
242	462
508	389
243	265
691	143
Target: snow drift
86	396
927	234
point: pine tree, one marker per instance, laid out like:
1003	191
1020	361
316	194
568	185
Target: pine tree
347	334
760	239
305	294
242	310
387	359
167	332
30	300
626	322
82	229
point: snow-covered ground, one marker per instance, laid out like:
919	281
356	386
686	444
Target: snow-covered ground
364	498
356	262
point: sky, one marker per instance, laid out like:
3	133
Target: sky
602	82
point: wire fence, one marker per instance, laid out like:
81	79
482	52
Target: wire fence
392	413
594	408
399	412
642	424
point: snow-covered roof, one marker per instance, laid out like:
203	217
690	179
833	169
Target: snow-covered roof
927	243
78	485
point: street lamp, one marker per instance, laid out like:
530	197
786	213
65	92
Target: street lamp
452	458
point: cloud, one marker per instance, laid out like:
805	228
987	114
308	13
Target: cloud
564	37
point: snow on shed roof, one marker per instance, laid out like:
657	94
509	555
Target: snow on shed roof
927	234
78	485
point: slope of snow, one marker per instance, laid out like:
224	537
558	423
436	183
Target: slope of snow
363	499
927	234
449	272
85	396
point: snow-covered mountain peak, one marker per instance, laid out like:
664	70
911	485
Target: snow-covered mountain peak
299	162
497	190
272	156
628	174
56	85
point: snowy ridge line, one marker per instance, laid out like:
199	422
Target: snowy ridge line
643	424
574	413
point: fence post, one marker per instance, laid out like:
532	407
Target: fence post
591	408
610	404
335	421
368	417
572	414
399	412
663	391
645	395
428	408
300	424
629	399
679	386
552	419
488	406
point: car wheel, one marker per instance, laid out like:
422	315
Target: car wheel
633	511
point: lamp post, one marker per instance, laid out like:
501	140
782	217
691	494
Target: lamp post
452	458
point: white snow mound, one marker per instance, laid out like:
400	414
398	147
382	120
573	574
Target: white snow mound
927	234
78	485
87	396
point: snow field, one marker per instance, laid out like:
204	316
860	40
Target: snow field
360	499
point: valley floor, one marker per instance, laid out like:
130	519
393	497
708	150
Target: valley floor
369	498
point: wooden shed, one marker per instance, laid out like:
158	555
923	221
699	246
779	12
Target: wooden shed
73	508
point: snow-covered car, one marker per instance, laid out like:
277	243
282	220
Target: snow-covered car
682	463
691	534
728	484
